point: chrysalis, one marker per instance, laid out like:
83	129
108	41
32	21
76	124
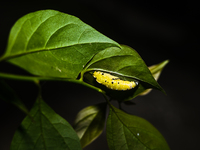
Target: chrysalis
113	82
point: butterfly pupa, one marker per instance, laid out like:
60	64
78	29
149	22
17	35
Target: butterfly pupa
113	82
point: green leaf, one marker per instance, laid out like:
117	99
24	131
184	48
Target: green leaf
90	122
129	132
47	131
156	71
7	94
128	65
124	62
51	43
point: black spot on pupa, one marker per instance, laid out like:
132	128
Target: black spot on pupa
112	82
102	73
117	82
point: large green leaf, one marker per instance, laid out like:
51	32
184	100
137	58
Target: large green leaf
51	43
7	94
126	63
129	132
90	122
48	131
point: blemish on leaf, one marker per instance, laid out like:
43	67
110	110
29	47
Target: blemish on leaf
58	69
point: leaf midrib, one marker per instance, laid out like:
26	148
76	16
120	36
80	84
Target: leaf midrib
42	134
39	110
46	49
132	127
41	127
86	129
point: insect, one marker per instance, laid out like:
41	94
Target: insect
113	82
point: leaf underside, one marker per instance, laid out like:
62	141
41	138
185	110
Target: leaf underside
90	122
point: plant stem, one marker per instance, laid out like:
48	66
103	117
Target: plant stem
36	79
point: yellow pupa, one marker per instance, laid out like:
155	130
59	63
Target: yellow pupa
113	82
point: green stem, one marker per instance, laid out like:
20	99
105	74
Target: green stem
107	100
37	79
82	73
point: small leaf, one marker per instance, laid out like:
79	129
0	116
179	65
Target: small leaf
156	71
51	43
7	94
90	122
129	132
47	131
128	65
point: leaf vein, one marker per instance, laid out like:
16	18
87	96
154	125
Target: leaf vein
56	129
127	127
42	22
41	127
82	34
45	49
18	33
57	31
28	128
37	140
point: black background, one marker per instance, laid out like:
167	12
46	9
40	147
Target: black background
158	31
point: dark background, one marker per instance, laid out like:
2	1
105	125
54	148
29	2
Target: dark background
158	31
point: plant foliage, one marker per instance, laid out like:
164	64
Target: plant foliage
47	130
55	46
